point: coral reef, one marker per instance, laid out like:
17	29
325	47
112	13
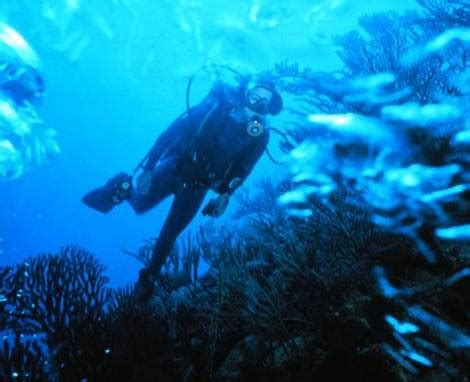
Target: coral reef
356	265
270	306
22	360
63	298
392	126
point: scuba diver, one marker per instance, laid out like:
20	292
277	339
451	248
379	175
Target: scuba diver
212	146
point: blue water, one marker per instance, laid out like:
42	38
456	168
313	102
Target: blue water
116	75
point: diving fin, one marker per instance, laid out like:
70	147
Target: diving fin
114	192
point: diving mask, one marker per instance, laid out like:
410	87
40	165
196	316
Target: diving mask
263	102
257	103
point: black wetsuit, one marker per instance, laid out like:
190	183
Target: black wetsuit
204	149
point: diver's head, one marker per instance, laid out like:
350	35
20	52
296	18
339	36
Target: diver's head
258	100
255	98
261	97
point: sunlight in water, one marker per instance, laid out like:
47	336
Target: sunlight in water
24	140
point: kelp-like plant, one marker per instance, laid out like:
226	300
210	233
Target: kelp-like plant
337	242
181	266
271	287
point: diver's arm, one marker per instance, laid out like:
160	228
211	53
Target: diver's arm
236	176
216	207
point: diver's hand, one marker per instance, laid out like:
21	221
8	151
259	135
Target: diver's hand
144	181
216	207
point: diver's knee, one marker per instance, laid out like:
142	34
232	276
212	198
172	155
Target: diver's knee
139	208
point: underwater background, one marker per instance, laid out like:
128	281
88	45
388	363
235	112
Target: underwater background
116	75
349	257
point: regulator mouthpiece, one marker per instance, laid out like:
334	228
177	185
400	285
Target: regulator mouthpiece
255	128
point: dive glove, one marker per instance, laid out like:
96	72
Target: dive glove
216	207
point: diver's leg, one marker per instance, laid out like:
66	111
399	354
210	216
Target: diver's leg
164	183
185	206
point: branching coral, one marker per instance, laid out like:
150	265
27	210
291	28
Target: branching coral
446	14
22	360
64	297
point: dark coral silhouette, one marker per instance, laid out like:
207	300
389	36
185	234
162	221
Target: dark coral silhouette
61	297
23	360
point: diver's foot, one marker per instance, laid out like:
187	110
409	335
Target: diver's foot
114	192
144	288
